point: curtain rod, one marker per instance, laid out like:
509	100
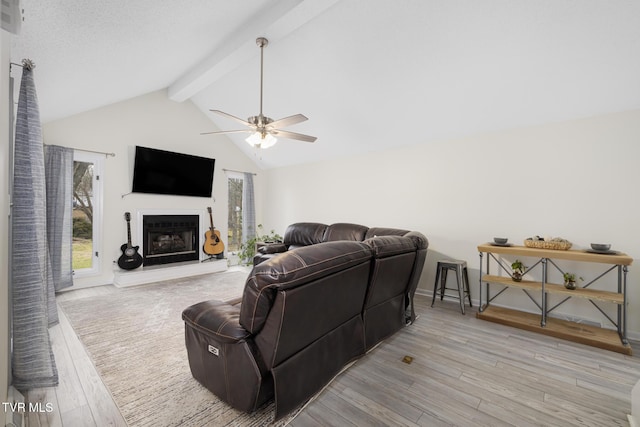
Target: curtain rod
92	151
231	170
26	63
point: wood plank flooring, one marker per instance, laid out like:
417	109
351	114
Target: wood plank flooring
465	371
81	398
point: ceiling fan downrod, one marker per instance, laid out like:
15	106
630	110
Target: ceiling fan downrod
262	42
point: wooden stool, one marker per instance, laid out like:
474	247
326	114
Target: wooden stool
460	267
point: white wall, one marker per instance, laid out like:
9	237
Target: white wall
153	121
574	179
578	180
5	48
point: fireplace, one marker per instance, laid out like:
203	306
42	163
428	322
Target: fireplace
170	238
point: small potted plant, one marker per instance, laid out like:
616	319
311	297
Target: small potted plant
518	269
570	280
248	248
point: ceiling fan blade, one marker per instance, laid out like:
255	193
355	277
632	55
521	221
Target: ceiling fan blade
229	116
292	135
287	121
228	131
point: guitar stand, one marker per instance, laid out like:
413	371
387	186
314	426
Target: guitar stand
214	257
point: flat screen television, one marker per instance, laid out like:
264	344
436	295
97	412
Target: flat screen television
165	172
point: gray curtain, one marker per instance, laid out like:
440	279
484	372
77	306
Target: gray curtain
32	360
248	208
58	169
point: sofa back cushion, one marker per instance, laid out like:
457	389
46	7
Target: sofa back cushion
392	268
393	259
420	240
384	231
292	269
304	234
345	231
309	314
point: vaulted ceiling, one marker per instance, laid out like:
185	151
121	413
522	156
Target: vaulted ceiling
369	74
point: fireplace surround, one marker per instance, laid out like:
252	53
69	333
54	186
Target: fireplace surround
170	238
158	272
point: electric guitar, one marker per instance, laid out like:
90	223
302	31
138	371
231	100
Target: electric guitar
130	258
212	245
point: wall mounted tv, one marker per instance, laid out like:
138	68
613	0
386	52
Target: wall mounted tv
165	172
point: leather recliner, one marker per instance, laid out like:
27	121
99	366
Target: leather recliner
305	314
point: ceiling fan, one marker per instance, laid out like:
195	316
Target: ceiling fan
264	130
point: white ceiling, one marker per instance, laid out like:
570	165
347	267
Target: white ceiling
369	74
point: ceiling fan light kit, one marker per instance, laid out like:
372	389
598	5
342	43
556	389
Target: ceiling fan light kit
264	129
259	140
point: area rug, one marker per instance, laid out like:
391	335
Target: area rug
135	338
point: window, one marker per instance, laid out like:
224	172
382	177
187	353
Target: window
87	212
234	238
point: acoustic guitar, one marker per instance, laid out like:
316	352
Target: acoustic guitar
130	258
212	244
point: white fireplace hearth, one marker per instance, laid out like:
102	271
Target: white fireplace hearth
159	273
184	260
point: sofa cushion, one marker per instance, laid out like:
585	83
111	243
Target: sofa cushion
216	319
384	246
304	234
345	231
272	248
384	231
419	239
294	268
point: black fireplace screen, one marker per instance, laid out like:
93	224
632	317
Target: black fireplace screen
170	238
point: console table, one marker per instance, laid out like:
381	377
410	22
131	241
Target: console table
615	340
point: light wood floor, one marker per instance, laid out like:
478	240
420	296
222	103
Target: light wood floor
81	398
465	371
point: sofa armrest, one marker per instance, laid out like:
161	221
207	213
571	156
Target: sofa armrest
272	248
421	241
217	319
223	357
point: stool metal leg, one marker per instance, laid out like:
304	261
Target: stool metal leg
460	287
435	285
443	282
466	280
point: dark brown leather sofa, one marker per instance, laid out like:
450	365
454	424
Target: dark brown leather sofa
310	233
305	314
